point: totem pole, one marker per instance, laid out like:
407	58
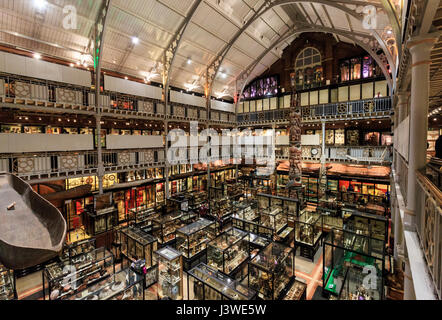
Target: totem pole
295	157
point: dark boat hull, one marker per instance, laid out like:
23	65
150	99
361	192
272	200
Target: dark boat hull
32	233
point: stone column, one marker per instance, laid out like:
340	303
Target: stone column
420	49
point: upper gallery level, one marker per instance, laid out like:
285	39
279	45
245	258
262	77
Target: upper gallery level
41	86
332	80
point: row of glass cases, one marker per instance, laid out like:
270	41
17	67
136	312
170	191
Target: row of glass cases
7	284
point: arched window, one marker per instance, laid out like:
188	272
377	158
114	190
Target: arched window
308	69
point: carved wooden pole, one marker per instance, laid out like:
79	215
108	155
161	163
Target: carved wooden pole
295	158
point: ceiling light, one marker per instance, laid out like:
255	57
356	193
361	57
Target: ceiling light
435	119
37	56
71	65
223	75
189	61
78	63
126	78
135	40
40	4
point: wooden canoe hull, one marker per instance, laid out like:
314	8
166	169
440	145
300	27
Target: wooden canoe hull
34	232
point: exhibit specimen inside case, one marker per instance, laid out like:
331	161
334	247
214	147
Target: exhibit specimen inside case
206	283
170	273
272	271
123	285
191	240
308	233
228	251
138	247
344	250
66	278
7	284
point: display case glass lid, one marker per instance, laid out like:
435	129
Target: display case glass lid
57	270
228	238
196	226
168	253
222	283
169	217
271	256
138	235
111	287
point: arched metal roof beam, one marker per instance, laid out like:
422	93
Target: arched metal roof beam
172	48
342	5
244	77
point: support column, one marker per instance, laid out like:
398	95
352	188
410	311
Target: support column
420	49
402	106
323	171
167	166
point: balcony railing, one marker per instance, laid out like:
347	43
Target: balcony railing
62	165
358	154
359	108
38	93
429	227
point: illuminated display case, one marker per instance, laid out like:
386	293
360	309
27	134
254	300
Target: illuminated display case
344	250
273	218
170	274
331	212
354	288
191	241
245	210
308	233
164	227
289	206
253	227
298	291
138	245
77	248
228	251
60	283
7	284
99	221
367	224
124	285
206	283
271	271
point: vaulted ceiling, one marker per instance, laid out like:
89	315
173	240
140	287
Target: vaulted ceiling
234	40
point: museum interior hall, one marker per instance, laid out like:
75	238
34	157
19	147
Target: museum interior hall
220	150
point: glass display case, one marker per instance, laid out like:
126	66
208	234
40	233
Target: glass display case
123	285
138	245
99	221
253	227
191	241
331	212
165	226
144	215
311	187
246	210
206	283
274	218
272	271
308	233
228	251
170	274
66	278
289	206
7	284
298	291
367	224
72	250
355	288
344	250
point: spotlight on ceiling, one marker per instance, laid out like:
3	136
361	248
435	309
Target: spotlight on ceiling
37	56
189	61
223	75
135	40
40	4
